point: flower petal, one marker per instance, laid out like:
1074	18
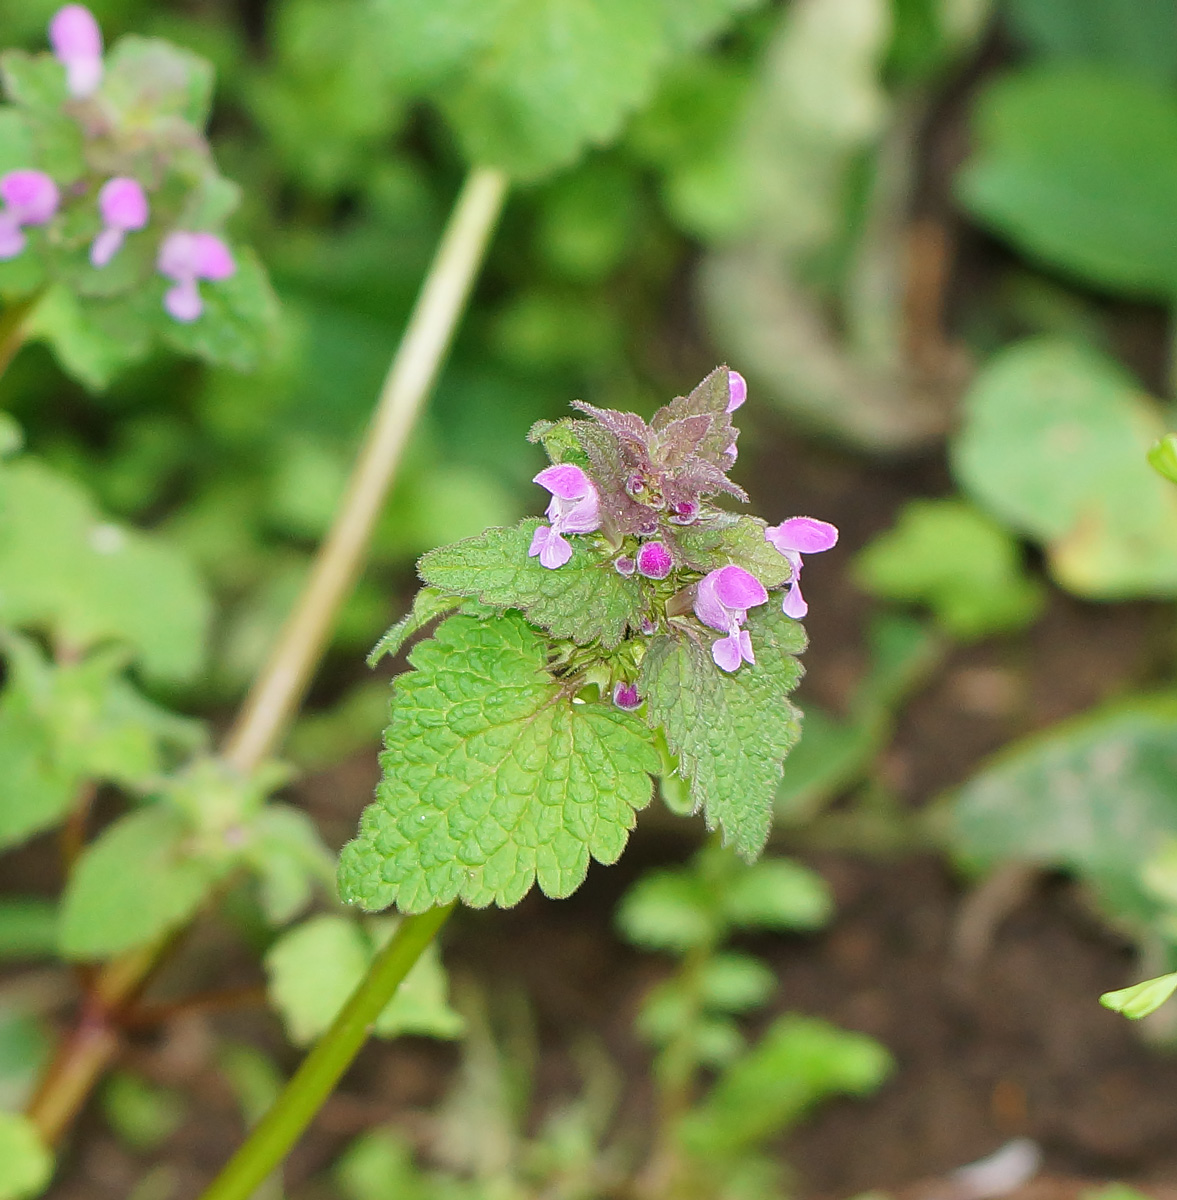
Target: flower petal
805	534
726	652
565	480
794	603
739	589
737	387
556	551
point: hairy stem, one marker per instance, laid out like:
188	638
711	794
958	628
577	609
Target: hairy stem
279	688
275	1134
282	682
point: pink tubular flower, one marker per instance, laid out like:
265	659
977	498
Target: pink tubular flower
77	45
30	198
123	205
722	600
654	561
187	257
575	508
794	537
737	388
625	696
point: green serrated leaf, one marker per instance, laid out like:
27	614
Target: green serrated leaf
585	600
1141	999
102	581
738	540
428	605
144	876
313	969
731	731
25	1162
495	778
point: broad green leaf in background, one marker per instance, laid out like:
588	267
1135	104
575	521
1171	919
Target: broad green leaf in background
494	778
284	849
25	1162
151	853
731	731
1054	444
313	968
669	910
1137	36
777	894
957	561
585	600
1096	795
527	84
1078	166
798	1062
100	581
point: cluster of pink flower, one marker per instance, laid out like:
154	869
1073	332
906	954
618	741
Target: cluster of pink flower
722	598
31	197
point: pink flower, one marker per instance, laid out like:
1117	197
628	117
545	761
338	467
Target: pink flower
625	565
123	205
187	257
575	508
625	696
77	44
654	561
30	198
722	600
737	390
794	537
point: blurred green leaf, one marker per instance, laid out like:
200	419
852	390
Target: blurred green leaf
25	1162
150	853
1141	998
1078	166
735	983
1137	36
528	83
668	910
25	1048
140	1113
959	562
797	1063
1163	457
28	930
313	968
101	581
778	894
1094	795
1054	444
150	80
284	848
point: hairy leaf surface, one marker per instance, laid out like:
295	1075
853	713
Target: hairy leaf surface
731	731
585	600
495	778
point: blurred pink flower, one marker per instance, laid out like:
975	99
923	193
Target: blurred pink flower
77	44
187	257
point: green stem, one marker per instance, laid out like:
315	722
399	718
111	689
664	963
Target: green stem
275	1134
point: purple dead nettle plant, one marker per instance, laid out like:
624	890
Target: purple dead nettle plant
32	197
643	493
